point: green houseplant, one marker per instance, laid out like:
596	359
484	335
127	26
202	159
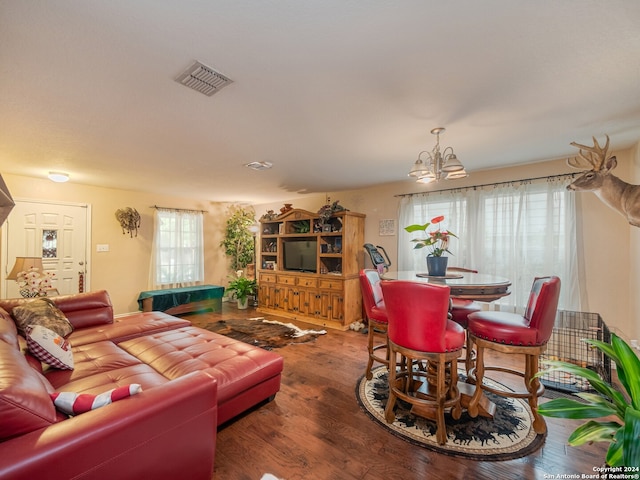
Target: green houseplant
238	239
620	413
438	243
241	287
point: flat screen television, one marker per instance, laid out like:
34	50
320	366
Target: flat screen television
300	255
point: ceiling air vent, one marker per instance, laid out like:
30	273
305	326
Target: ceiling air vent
203	79
259	165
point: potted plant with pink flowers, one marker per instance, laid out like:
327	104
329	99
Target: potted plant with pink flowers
438	243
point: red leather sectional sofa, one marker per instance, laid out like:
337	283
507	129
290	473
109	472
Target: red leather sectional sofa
192	381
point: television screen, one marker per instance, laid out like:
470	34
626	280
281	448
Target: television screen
300	255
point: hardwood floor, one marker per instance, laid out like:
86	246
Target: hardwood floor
315	429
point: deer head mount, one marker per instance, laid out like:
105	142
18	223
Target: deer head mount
617	194
129	219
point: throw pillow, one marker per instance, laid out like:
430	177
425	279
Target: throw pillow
76	403
49	347
41	311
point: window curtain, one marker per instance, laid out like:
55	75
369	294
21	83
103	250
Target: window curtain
517	230
178	249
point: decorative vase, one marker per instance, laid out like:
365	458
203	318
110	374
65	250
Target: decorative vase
437	266
243	303
26	293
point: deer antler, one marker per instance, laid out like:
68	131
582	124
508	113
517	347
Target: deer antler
595	158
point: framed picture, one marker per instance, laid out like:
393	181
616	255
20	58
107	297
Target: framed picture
387	227
326	227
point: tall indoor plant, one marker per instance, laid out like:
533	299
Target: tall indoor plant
238	239
438	243
620	412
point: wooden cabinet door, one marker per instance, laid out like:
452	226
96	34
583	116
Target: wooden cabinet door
293	300
336	307
267	295
281	300
320	305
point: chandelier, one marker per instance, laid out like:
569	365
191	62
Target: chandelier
437	163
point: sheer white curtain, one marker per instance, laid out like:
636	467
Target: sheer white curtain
518	230
178	249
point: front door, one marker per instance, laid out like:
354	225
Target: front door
57	233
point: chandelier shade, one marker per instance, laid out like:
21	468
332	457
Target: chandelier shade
437	164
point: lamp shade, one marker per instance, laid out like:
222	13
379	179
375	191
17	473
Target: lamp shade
419	169
23	264
452	164
457	175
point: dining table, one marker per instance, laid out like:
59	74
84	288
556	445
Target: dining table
467	285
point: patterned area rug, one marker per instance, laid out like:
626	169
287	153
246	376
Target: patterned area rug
507	436
267	334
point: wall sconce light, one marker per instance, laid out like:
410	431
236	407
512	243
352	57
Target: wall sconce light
58	177
129	219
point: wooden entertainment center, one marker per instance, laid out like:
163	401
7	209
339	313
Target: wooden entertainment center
309	270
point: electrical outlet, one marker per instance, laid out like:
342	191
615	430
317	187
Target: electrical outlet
634	344
102	247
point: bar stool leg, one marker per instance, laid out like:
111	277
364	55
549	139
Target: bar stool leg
479	374
535	389
389	414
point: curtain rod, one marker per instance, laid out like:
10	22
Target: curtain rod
474	187
177	209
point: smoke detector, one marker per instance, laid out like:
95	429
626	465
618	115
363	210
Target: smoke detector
203	79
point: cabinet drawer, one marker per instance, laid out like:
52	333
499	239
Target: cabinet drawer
268	277
286	280
328	284
307	282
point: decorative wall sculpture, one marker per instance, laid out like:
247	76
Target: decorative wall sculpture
129	219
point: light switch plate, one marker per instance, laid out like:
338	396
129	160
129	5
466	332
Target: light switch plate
102	247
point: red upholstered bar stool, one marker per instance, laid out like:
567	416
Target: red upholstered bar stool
377	317
420	331
510	333
460	310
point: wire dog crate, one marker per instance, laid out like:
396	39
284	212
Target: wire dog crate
566	345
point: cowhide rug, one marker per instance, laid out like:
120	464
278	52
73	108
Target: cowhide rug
267	334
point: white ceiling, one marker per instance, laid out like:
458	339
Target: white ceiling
338	94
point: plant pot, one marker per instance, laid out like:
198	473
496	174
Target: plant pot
437	266
243	303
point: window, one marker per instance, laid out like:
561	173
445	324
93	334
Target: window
178	248
518	230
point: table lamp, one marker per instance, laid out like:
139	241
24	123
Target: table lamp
23	264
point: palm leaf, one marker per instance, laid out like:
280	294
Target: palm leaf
567	408
593	432
592	377
631	438
614	453
629	364
594	398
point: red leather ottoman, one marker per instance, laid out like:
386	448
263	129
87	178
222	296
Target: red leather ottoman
246	375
